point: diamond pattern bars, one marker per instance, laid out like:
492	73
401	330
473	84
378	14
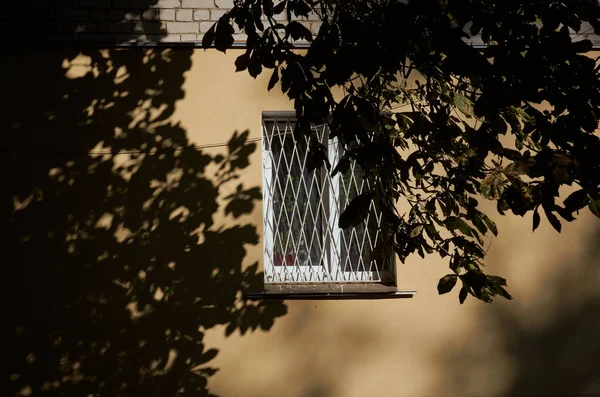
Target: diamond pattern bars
303	243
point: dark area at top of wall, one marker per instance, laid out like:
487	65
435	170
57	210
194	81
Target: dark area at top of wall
58	22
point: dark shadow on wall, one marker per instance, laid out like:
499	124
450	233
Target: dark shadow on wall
115	260
558	356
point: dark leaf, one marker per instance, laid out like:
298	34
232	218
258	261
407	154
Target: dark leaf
209	37
453	223
512	155
503	292
207	356
463	104
316	157
299	7
417	230
479	224
273	80
536	219
278	9
462	295
594	206
565	214
490	224
254	66
583	46
446	283
497	280
576	200
356	211
553	220
465	228
208	371
475	28
230	328
268	8
268	60
224	35
492	185
342	166
241	62
432	232
298	31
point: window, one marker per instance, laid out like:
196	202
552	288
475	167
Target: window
302	240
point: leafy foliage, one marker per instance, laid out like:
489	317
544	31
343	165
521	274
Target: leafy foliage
437	121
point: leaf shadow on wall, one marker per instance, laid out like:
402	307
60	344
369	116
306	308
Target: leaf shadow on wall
548	347
116	262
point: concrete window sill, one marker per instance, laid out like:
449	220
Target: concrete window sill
329	292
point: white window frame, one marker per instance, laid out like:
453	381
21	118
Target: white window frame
330	269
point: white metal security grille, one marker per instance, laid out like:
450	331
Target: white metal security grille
302	240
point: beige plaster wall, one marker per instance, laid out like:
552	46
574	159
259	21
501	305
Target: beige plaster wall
545	341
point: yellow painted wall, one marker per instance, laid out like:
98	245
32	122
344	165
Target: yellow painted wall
544	342
429	345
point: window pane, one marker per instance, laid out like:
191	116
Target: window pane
358	254
303	242
296	208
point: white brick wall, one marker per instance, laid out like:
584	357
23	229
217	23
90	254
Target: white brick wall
119	21
113	21
197	3
224	3
185	15
201	15
182	27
